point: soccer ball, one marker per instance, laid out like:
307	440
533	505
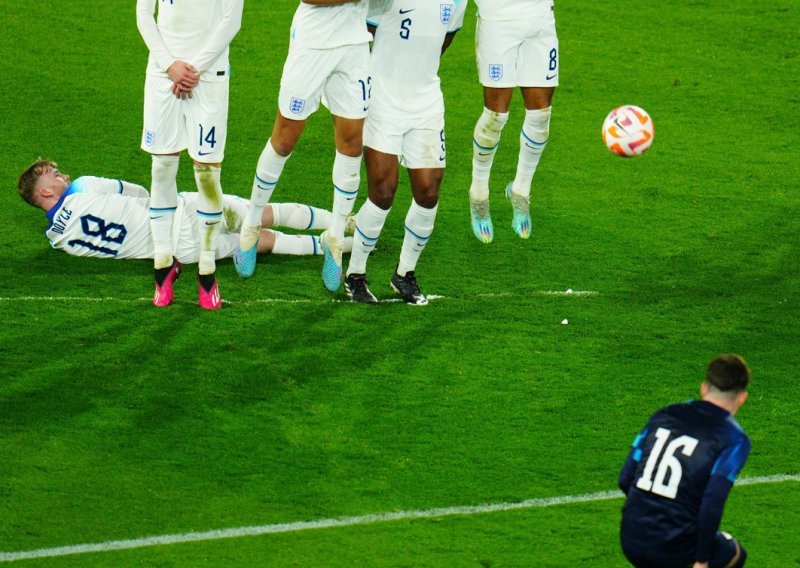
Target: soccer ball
628	131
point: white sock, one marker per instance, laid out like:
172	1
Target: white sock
296	244
419	227
163	203
303	245
299	216
369	223
485	139
268	170
346	178
209	215
532	141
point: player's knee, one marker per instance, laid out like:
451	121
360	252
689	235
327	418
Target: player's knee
383	201
351	147
283	145
428	201
427	196
489	128
381	193
164	164
285	135
349	142
537	122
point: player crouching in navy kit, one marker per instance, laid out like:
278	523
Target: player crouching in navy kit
679	472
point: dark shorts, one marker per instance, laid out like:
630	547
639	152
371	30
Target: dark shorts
727	553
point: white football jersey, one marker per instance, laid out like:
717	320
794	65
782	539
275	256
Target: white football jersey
319	26
502	10
405	57
196	31
109	218
102	217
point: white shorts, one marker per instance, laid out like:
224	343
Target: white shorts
186	230
199	124
419	143
517	53
337	77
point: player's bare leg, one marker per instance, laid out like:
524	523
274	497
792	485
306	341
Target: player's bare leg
285	134
532	141
346	179
485	140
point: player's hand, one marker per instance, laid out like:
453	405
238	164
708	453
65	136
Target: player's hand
700	565
183	74
181	92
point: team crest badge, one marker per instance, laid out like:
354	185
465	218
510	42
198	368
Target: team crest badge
496	71
296	105
149	137
445	13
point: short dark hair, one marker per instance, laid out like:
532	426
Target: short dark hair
728	373
27	180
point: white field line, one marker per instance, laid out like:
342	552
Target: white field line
431	297
338	522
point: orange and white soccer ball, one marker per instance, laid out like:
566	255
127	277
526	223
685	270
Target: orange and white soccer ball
628	131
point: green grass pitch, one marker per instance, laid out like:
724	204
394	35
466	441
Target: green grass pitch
119	421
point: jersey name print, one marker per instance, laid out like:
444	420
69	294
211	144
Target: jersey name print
87	221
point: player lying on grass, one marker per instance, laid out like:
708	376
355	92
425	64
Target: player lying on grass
109	218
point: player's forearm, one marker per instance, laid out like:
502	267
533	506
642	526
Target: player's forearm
222	37
148	29
709	517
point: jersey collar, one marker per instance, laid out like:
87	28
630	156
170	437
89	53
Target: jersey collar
713	408
51	213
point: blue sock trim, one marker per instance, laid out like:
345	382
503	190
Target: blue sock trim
205	215
488	149
344	192
532	141
311	223
365	237
416	236
269	184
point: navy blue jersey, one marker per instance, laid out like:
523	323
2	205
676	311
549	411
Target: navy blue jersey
678	474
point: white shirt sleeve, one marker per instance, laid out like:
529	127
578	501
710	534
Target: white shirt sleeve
146	22
376	9
458	19
100	185
129	189
222	36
